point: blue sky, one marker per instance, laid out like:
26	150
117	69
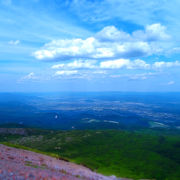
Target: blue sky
88	45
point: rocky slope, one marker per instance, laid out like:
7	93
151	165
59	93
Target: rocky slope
18	164
18	131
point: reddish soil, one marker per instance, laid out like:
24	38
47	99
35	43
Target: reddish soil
18	164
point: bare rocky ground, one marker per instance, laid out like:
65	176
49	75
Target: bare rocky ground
18	164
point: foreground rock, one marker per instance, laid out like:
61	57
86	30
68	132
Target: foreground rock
18	164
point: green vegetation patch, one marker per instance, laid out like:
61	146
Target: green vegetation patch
137	155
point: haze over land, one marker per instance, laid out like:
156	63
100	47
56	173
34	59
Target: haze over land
110	110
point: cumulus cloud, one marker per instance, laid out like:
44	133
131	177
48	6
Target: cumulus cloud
109	43
125	63
137	64
16	42
66	73
154	32
114	64
111	33
102	66
112	68
111	64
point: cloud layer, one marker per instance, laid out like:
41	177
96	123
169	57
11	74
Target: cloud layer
119	68
109	53
109	43
116	64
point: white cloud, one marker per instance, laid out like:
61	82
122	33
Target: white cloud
110	43
81	74
66	73
30	76
137	64
133	14
77	64
16	42
58	66
154	32
111	33
115	64
124	63
112	68
163	64
100	66
82	64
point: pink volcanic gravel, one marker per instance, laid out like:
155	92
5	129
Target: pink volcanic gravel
18	164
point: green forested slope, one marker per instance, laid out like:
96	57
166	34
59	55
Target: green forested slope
121	153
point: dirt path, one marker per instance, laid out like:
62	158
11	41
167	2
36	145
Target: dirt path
18	164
